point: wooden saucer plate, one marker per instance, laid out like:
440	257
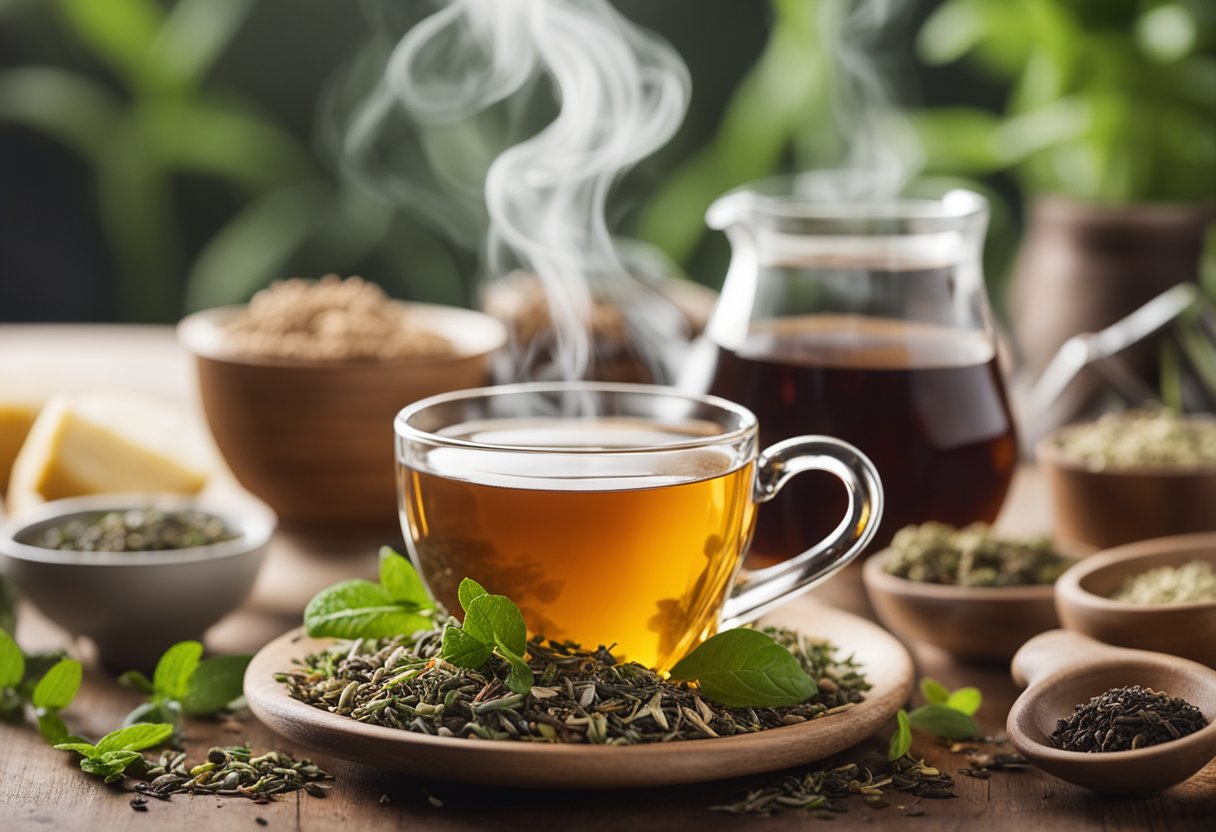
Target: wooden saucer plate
885	662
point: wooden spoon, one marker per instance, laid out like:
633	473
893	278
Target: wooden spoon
1062	669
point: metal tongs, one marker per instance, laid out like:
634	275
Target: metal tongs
1101	349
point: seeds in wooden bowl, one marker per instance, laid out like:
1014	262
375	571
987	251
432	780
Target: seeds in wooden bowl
330	319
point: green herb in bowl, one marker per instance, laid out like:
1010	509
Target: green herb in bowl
1140	439
937	553
135	530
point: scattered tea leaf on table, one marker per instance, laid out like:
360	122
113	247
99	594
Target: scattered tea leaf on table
746	668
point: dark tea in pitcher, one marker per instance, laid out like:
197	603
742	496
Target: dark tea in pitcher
924	402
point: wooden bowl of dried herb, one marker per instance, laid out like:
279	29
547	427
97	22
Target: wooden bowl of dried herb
1132	475
301	385
1110	719
1153	595
965	591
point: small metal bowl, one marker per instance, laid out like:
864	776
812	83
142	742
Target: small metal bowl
133	605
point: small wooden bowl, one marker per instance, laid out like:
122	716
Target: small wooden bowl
983	624
314	439
1061	669
1187	630
1115	506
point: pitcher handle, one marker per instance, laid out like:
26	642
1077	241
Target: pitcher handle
756	591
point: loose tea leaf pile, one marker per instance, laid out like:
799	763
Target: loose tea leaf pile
1122	719
1189	583
937	553
578	696
825	788
230	771
1140	438
137	530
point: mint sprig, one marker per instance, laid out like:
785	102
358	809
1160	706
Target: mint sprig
492	624
116	751
398	605
184	682
746	669
947	714
49	682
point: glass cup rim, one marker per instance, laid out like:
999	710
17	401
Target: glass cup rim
748	423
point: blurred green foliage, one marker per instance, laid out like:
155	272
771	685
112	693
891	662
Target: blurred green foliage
1109	100
164	100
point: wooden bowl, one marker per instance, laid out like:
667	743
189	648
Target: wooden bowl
314	439
1111	507
1062	669
1187	630
983	624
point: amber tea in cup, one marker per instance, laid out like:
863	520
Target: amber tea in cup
611	514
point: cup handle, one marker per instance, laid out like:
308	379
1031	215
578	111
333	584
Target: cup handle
760	590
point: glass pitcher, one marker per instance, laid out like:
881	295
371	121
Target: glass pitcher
867	320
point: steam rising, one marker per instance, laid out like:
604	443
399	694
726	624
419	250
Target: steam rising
455	90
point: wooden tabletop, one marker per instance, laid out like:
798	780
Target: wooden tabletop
43	789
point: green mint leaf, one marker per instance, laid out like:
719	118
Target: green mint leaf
361	609
943	721
36	666
215	683
110	765
462	650
8	607
495	620
84	749
173	671
135	737
52	728
966	700
402	582
935	692
746	668
58	687
136	681
901	740
469	589
520	680
12	662
168	711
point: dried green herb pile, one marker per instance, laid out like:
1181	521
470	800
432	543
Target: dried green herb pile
1189	583
578	696
826	789
1122	719
229	771
137	530
937	553
1140	438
